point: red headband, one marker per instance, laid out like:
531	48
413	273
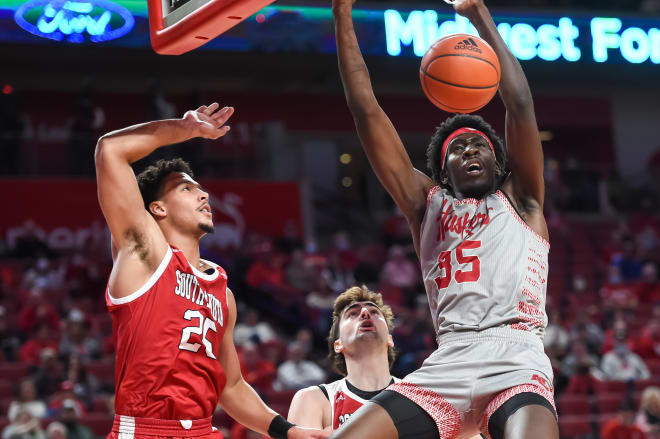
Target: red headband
457	133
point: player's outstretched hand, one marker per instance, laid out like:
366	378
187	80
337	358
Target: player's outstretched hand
209	122
465	7
307	433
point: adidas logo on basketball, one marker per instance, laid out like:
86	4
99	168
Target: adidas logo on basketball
468	44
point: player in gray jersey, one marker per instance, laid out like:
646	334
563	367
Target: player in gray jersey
478	228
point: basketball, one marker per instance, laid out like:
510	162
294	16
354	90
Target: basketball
460	73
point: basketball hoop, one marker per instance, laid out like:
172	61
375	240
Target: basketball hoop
178	26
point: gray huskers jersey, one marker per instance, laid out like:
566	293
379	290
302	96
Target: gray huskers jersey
483	266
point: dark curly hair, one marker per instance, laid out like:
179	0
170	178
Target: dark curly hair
151	179
348	297
434	150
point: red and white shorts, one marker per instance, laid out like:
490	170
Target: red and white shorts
472	374
128	427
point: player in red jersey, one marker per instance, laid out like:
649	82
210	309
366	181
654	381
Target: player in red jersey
173	315
361	349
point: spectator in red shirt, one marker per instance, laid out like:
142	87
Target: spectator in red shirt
617	295
396	228
648	288
399	271
577	368
30	353
38	311
257	372
647	344
64	398
267	273
617	333
623	426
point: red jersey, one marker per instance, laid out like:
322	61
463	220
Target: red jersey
345	399
168	336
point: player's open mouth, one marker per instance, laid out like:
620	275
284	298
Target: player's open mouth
474	168
206	209
367	326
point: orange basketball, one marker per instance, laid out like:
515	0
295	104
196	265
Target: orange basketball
460	73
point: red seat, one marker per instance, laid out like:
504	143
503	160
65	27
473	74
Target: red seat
6	389
611	387
13	371
3	422
609	403
574	426
222	419
574	405
282	409
99	423
643	384
103	370
4	405
282	397
604	419
100	404
654	366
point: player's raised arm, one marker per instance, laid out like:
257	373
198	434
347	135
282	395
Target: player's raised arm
240	400
525	155
130	224
387	155
309	408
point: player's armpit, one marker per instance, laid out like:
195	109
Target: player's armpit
133	230
309	408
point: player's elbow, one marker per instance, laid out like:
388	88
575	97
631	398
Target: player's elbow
362	104
99	151
364	113
521	101
104	149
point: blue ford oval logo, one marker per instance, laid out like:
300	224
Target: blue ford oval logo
75	21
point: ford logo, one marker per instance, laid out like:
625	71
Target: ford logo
98	20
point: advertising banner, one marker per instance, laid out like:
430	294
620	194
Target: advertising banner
65	213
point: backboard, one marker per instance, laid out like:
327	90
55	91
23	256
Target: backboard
178	26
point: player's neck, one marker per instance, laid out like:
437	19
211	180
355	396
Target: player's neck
369	372
189	246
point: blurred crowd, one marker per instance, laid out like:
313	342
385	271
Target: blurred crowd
56	335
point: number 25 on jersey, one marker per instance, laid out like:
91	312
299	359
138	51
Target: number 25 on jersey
466	261
204	324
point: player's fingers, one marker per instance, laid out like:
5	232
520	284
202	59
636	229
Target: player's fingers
201	109
223	115
222	131
206	119
211	108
